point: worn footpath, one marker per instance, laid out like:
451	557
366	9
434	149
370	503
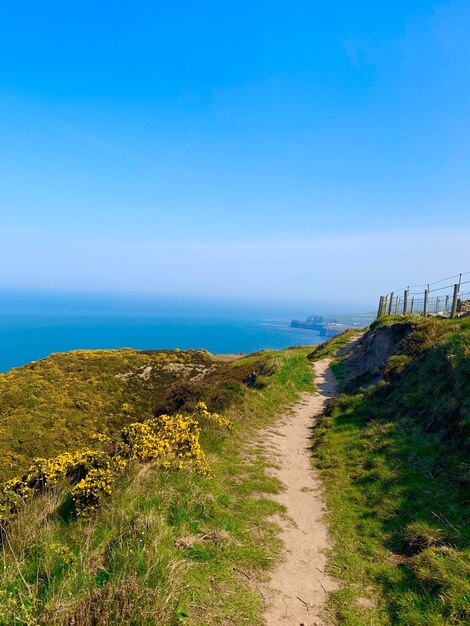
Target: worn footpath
299	585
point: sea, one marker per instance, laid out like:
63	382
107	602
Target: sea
32	326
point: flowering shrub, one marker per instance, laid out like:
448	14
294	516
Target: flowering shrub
202	413
88	492
12	496
48	472
100	438
170	441
98	483
44	473
80	393
62	552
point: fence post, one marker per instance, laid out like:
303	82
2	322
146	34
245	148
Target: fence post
412	304
405	302
385	305
390	304
437	304
454	301
426	297
381	302
397	305
447	303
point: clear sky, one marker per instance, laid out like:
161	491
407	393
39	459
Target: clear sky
270	150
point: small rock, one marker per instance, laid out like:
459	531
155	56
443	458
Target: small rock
144	372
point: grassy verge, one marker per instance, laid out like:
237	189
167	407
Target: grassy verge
329	348
167	547
395	460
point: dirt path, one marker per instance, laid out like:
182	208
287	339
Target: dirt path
299	585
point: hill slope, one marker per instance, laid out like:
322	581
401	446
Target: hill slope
170	542
53	405
394	451
159	544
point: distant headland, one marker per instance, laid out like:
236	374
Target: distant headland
330	326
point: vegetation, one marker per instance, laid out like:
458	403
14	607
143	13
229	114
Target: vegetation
172	442
394	451
54	405
153	507
158	543
329	348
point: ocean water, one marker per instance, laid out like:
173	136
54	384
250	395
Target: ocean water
33	336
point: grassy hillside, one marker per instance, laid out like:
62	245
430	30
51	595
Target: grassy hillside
54	405
394	451
165	546
151	510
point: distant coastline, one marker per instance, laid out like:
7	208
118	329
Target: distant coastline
26	338
331	326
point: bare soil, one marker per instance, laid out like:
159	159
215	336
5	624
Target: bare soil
299	585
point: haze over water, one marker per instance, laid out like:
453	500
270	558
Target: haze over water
34	326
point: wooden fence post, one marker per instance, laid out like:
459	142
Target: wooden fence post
405	302
426	298
381	303
390	304
454	301
412	304
385	305
397	304
437	304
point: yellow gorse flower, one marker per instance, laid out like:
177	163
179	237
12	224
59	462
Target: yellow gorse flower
172	441
202	413
89	491
168	441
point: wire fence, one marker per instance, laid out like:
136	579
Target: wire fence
448	297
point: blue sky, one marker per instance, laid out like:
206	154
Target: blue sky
250	150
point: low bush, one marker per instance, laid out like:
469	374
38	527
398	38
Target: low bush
172	442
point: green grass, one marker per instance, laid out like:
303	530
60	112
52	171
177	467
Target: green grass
330	347
167	547
395	460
